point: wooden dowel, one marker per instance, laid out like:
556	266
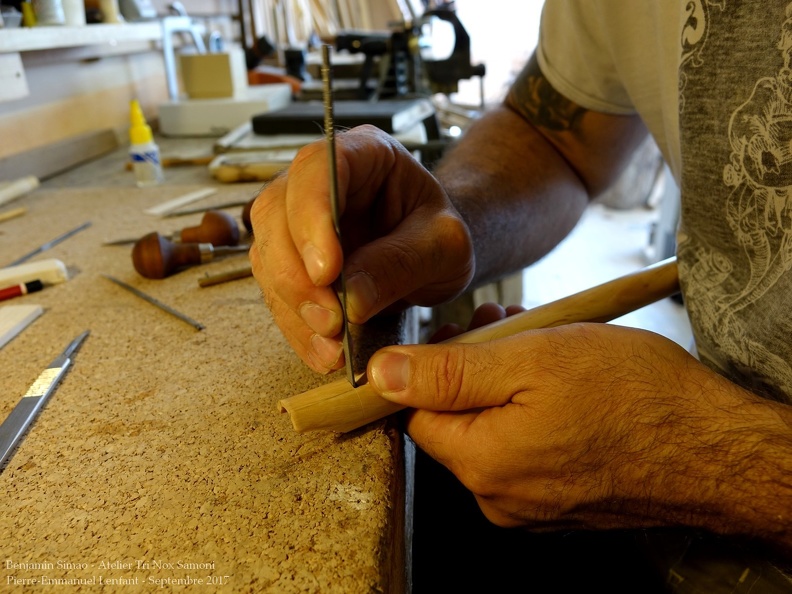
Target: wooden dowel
224	277
18	188
12	214
339	407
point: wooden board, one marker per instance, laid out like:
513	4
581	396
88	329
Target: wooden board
49	160
15	318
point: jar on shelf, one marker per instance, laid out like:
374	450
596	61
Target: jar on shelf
48	12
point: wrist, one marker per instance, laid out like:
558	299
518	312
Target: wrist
724	463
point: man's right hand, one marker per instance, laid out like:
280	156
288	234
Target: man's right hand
405	243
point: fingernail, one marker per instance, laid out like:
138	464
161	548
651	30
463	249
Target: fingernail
390	372
315	262
321	320
327	350
362	295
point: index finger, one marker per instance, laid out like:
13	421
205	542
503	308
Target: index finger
364	159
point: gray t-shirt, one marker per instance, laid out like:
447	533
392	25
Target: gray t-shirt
713	82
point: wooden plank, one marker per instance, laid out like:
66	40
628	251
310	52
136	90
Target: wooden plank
49	160
15	318
37	38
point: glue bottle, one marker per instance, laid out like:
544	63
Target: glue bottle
143	151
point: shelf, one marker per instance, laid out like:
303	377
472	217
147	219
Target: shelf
24	39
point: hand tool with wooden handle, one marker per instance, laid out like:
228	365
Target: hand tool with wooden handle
17	188
155	256
216	227
50	271
338	407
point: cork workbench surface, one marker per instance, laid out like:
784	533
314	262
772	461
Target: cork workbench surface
161	459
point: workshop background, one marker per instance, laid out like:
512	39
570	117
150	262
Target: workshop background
74	90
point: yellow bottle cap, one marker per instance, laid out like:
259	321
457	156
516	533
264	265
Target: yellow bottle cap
28	15
139	130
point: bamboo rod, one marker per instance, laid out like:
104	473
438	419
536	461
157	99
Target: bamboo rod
339	407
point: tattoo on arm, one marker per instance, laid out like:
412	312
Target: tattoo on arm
537	101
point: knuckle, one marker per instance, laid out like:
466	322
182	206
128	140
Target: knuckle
447	371
362	137
453	241
453	232
306	155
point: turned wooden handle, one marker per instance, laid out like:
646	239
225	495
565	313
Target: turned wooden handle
217	227
154	256
339	407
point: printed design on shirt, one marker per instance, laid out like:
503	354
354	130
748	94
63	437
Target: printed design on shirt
759	208
771	375
694	37
759	212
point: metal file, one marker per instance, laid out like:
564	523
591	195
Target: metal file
27	409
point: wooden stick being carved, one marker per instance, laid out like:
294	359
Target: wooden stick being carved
339	407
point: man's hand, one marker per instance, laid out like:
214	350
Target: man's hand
588	426
405	243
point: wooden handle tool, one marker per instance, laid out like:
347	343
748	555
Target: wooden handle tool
339	407
155	256
217	227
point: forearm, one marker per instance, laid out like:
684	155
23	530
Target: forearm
763	497
523	174
721	460
518	196
751	474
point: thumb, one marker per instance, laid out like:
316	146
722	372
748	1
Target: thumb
448	377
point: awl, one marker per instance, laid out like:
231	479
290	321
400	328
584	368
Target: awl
327	87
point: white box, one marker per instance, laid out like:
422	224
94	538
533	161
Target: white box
216	117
